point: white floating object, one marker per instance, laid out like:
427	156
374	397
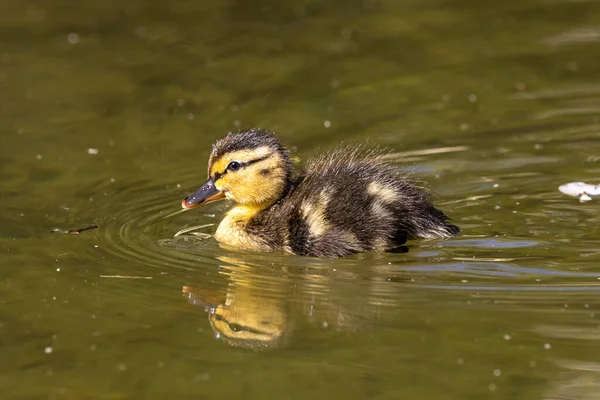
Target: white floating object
580	189
73	38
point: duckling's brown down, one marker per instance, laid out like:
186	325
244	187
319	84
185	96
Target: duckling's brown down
344	202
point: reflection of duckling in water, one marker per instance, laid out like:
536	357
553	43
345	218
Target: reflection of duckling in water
240	322
346	202
248	317
264	306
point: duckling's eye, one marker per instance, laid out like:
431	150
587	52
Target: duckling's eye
234	166
236	327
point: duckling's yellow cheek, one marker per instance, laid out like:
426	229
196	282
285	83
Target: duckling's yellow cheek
249	193
248	187
223	186
260	181
219	185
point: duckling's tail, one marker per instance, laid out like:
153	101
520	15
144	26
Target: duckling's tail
433	224
452	229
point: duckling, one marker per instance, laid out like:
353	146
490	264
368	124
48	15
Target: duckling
344	202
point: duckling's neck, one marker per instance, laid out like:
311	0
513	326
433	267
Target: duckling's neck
232	230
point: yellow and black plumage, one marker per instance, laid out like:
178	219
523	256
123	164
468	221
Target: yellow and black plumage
344	202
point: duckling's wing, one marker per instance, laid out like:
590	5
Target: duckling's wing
351	200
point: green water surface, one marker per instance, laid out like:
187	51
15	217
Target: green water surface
107	113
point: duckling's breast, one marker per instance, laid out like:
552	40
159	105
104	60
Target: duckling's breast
235	230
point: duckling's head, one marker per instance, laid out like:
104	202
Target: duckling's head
249	167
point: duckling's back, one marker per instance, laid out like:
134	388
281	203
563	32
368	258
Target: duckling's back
351	201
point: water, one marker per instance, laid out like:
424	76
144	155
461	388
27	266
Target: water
107	114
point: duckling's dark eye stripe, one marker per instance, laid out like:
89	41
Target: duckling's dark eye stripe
245	164
218	175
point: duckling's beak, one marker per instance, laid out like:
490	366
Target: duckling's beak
205	194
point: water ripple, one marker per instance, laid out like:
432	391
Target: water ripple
496	269
489	243
134	230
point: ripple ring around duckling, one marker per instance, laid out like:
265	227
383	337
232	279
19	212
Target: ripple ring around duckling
136	235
